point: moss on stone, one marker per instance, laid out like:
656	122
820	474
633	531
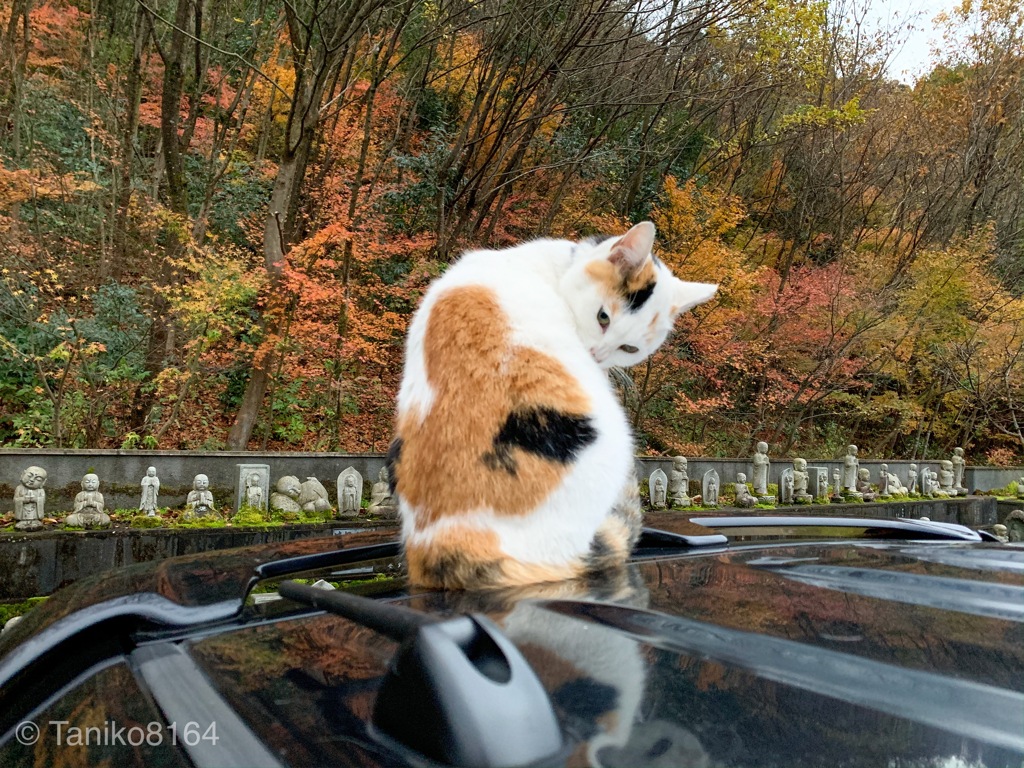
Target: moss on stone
10	610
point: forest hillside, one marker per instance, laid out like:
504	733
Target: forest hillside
216	218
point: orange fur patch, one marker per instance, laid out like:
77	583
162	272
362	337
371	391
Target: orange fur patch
478	378
652	329
643	277
607	275
458	557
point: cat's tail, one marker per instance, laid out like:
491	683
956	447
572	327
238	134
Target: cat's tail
618	533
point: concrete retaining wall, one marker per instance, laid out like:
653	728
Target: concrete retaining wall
39	563
34	564
120	472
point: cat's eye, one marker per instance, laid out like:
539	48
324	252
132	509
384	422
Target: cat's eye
602	318
629	348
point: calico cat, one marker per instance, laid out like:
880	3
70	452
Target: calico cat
513	459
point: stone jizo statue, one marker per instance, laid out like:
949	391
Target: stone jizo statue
912	480
313	497
350	492
761	464
679	483
864	484
150	492
896	488
285	497
89	511
657	488
819	482
709	489
837	488
30	500
945	479
959	465
254	490
800	481
199	502
786	485
743	495
850	475
349	496
381	501
883	482
928	485
1001	532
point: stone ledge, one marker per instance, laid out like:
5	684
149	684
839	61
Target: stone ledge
35	564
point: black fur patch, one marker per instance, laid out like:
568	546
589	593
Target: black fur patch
599	548
582	701
636	299
541	431
391	463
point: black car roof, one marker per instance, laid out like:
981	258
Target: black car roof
873	651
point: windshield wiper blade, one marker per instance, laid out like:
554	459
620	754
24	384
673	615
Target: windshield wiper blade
898	528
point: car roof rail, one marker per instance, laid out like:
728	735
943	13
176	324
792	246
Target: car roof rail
873	528
458	691
657	539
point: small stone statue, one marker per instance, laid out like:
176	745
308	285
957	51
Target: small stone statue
999	530
864	484
381	501
1014	523
350	492
252	487
800	481
150	491
761	464
896	488
660	500
285	497
199	502
786	485
927	485
709	488
883	482
679	483
945	488
657	486
30	500
912	480
819	481
851	465
254	490
837	489
89	506
959	464
349	496
313	497
743	495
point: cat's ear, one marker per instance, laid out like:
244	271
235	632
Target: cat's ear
633	249
688	295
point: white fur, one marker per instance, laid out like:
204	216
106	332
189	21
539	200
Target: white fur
552	306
